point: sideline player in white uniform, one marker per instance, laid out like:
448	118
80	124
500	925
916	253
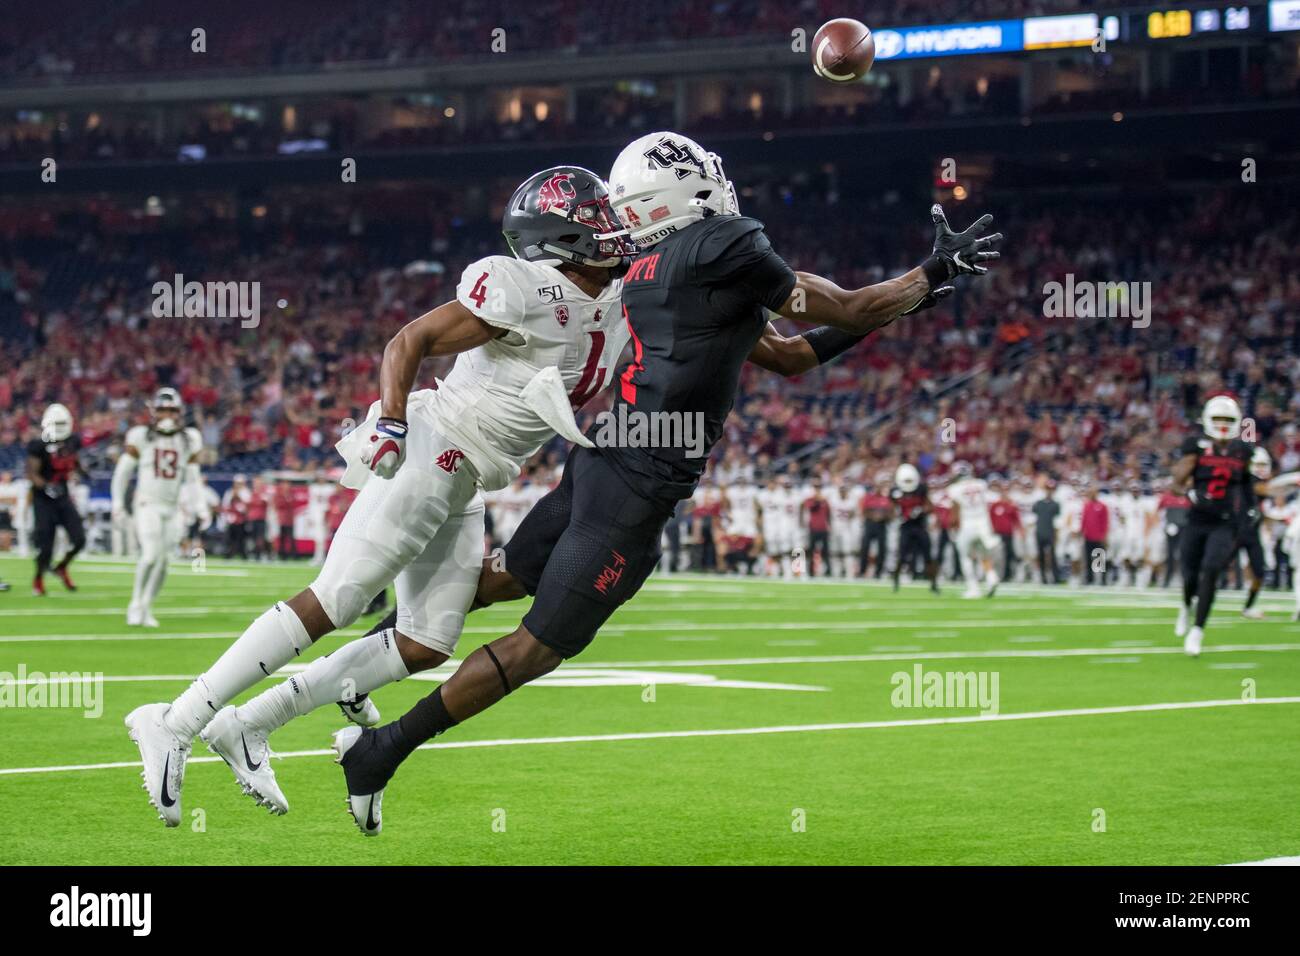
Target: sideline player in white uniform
846	527
740	524
167	456
541	333
977	545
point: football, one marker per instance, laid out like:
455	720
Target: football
843	50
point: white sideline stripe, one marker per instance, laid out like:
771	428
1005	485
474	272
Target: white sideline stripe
733	731
943	655
1271	861
447	667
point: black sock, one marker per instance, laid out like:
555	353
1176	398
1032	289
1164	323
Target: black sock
1205	598
1250	598
424	721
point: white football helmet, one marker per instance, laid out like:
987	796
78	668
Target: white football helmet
167	409
1221	407
663	182
56	424
1261	464
907	478
961	469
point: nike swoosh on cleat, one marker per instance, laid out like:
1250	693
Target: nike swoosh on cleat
370	814
248	758
164	796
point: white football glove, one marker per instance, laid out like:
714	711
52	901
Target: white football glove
385	450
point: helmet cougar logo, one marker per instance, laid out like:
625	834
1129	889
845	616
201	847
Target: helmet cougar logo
555	193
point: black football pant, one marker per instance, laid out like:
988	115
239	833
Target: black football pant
873	532
1208	546
52	514
1047	561
819	542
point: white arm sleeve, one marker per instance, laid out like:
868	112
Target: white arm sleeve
126	465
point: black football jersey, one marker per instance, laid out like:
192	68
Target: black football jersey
1221	476
911	504
58	461
694	304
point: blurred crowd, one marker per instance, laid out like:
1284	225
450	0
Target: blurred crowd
987	377
63	38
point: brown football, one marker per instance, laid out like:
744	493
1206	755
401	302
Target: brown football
843	50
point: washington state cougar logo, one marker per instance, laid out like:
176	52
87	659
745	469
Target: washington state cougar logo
449	460
556	192
562	315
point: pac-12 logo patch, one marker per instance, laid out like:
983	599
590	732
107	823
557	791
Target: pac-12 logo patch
449	460
562	315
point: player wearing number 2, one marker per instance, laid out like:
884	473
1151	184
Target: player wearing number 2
540	334
1214	470
167	458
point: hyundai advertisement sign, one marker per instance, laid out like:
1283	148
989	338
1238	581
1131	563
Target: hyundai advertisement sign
994	36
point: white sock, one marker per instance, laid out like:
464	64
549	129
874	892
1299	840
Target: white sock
140	590
356	668
270	642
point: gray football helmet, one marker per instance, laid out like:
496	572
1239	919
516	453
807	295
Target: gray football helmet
564	213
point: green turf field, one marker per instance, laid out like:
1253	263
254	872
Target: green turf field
715	720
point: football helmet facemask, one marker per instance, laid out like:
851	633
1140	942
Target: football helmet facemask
167	409
56	424
1221	418
907	478
564	213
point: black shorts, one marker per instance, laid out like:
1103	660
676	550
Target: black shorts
583	550
1207	546
913	542
1248	538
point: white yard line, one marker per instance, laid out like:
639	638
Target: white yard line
735	731
1272	861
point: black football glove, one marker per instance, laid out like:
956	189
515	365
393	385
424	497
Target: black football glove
930	300
960	253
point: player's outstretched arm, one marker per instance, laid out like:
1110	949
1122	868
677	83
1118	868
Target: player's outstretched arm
860	311
447	330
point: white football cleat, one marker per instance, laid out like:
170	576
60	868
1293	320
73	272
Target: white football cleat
971	594
134	616
366	810
150	620
1192	645
1252	614
361	711
1180	628
247	752
164	755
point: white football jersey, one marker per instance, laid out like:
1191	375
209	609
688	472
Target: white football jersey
160	473
971	495
548	321
844	507
742	510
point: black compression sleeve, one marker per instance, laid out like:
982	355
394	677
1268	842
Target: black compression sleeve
827	342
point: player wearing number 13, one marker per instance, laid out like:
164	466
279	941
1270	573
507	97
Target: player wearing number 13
537	335
167	458
1214	469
